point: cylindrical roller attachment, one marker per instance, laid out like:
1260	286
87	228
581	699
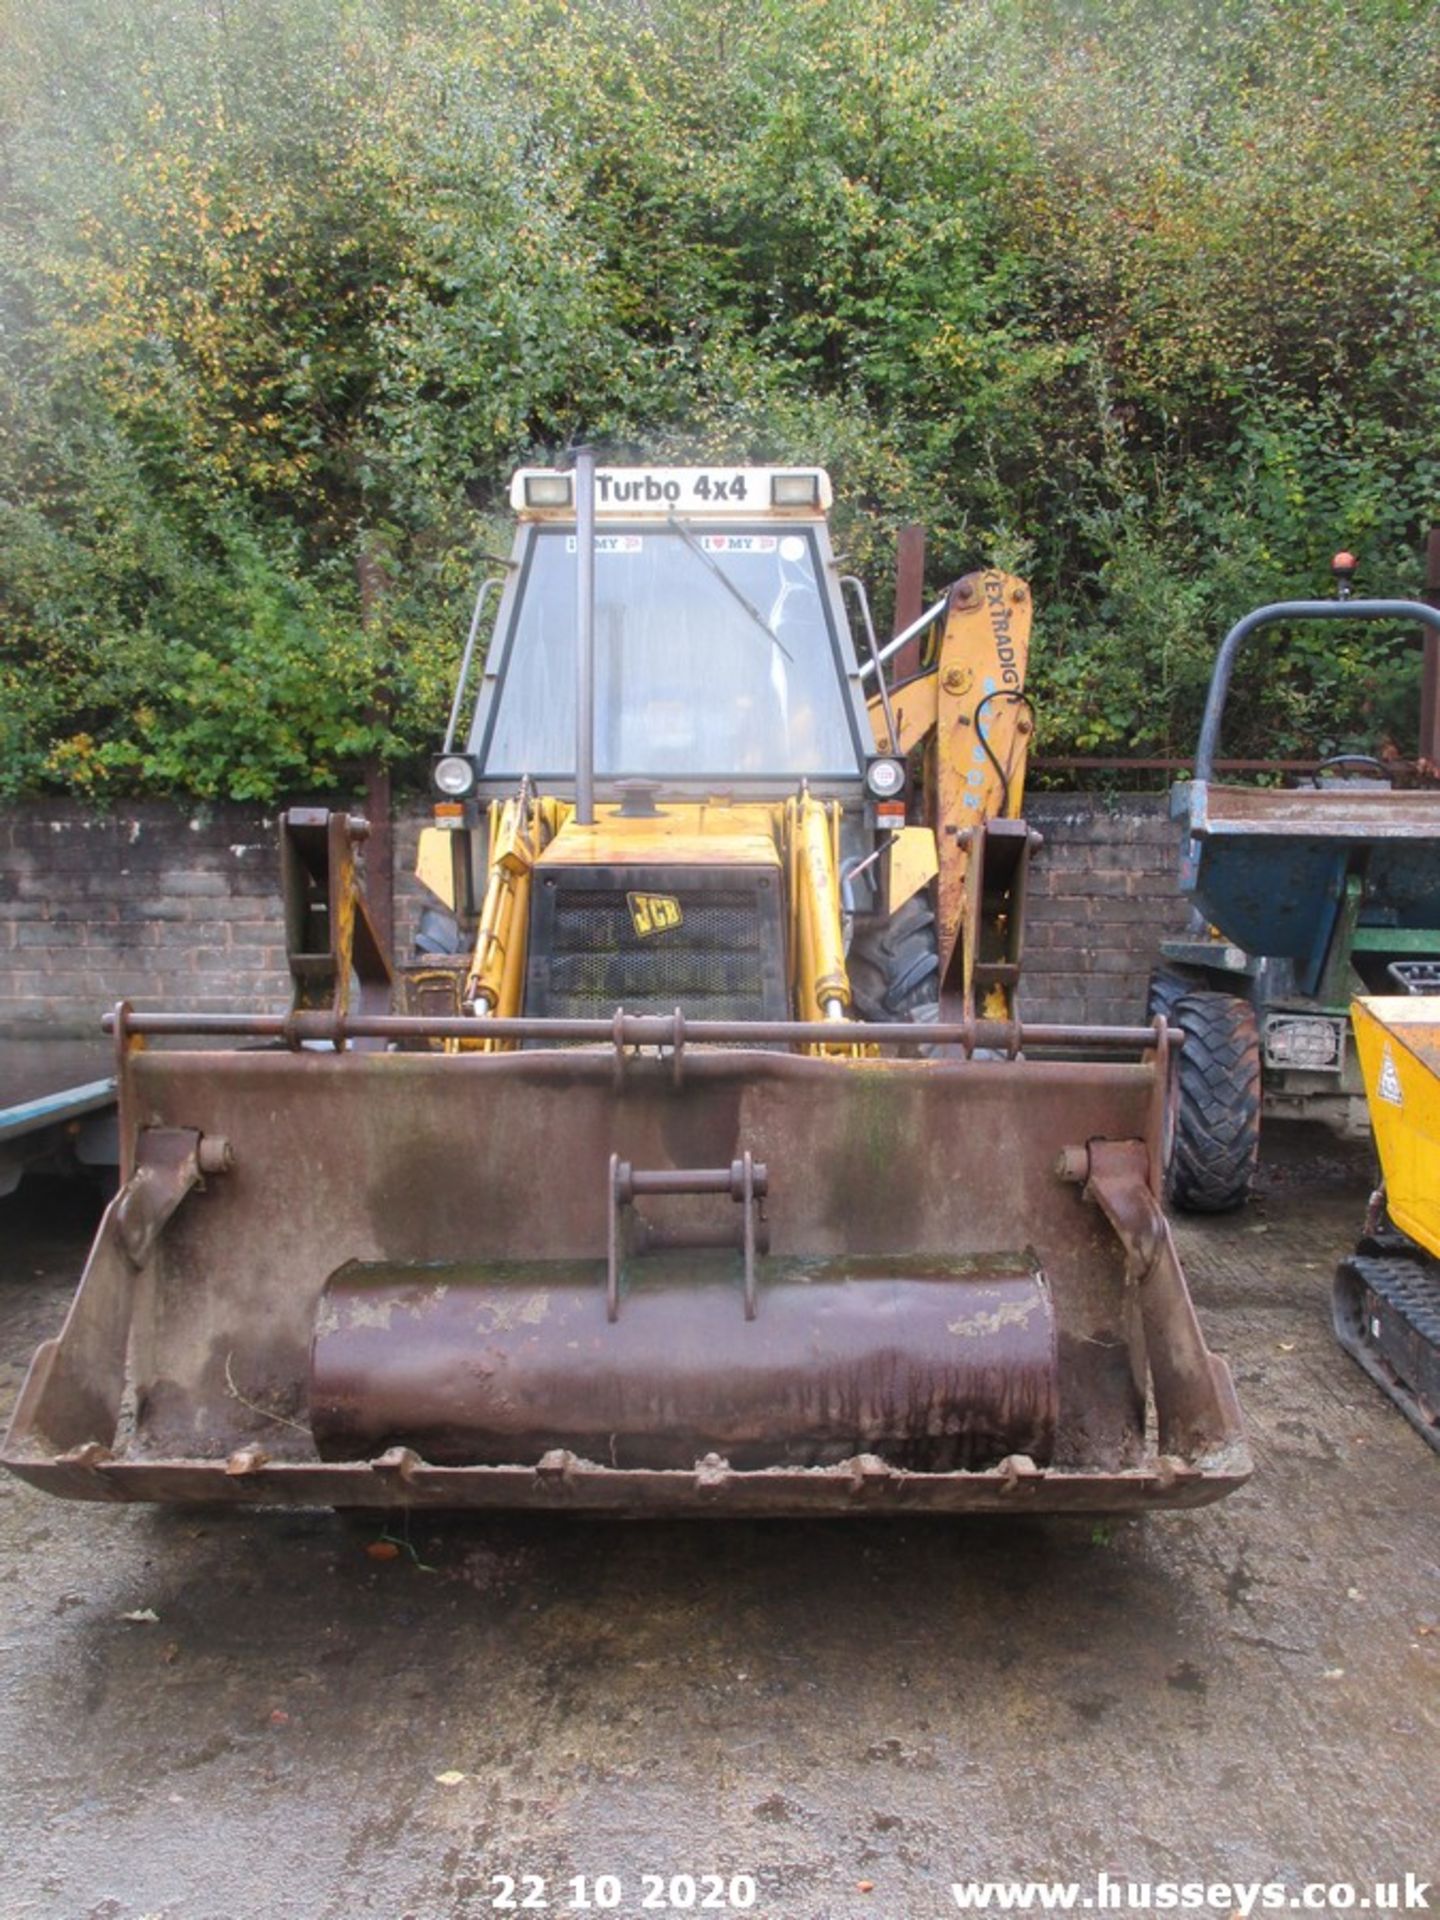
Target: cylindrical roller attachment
931	1369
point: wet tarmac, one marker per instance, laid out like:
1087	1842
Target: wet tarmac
854	1715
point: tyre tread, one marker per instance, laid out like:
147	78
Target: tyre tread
894	966
1217	1128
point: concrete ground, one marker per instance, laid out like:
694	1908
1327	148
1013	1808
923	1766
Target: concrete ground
856	1715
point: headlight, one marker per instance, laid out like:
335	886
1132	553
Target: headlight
453	775
1309	1042
884	778
794	489
547	489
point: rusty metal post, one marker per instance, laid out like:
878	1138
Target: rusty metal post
380	853
909	594
585	636
1430	678
379	850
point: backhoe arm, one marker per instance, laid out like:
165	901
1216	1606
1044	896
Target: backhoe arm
968	711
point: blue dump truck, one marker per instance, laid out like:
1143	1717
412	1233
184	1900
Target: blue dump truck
1303	897
50	1128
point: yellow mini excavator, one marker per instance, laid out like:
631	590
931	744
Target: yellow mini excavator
699	1159
1386	1298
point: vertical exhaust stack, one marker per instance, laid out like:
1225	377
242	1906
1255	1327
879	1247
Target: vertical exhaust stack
585	636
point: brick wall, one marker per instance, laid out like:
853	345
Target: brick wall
1102	896
178	908
153	903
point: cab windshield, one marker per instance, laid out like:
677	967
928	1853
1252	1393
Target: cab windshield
714	658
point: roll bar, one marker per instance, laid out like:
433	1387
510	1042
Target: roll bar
1267	617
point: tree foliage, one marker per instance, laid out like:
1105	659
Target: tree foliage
1138	299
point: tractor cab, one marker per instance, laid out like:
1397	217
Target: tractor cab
722	654
669	789
673	712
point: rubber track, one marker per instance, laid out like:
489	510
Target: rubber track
1217	1128
1407	1290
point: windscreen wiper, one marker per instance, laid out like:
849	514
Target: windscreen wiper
729	585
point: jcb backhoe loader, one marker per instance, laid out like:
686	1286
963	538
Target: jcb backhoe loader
708	1166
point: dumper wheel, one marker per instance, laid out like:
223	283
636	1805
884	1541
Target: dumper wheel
894	966
1217	1125
1164	992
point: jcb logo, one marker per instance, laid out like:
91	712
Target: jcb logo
653	912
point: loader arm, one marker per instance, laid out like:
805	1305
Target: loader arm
332	948
519	829
967	713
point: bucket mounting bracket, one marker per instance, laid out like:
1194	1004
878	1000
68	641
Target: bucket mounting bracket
169	1161
746	1181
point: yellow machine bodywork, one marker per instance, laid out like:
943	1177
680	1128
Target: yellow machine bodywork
1385	1303
1399	1044
799	838
967	718
967	711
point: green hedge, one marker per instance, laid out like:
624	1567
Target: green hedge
1138	299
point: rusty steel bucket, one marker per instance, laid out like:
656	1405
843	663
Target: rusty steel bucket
638	1278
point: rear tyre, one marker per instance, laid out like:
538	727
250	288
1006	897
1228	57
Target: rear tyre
438	933
1217	1124
894	966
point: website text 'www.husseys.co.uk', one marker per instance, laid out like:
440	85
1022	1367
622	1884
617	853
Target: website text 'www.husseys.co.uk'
1111	1893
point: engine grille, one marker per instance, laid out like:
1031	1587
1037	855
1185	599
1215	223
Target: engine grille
724	961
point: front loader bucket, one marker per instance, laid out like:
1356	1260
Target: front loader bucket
717	1279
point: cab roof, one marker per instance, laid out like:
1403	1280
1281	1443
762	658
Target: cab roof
766	493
